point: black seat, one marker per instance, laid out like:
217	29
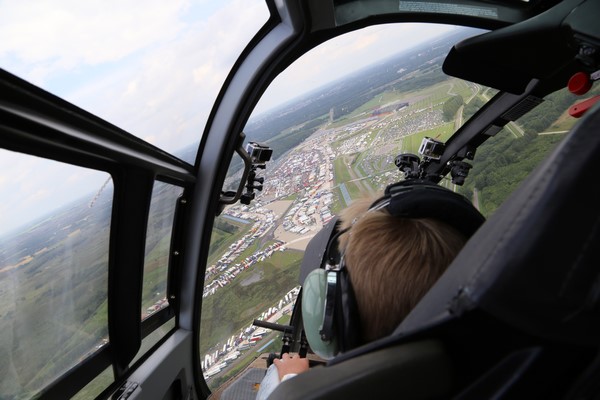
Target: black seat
426	372
516	315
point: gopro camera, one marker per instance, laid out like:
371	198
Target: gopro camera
432	148
259	153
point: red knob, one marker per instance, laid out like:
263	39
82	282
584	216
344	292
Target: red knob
580	83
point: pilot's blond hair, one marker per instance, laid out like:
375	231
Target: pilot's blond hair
392	262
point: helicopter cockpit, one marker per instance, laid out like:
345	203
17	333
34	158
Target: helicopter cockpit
443	347
171	175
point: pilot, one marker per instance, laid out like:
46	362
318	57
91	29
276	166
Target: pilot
392	262
392	250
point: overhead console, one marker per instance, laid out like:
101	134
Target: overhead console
483	14
550	47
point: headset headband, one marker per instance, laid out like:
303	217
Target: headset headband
422	199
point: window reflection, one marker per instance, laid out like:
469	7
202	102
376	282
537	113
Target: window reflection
96	386
158	242
53	274
252	274
154	71
149	341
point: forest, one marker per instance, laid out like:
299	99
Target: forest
504	161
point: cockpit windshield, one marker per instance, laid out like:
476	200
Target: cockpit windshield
335	119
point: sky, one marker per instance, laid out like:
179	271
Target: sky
344	55
153	71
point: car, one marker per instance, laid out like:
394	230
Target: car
162	179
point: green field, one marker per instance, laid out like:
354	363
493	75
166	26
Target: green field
354	191
337	204
235	306
220	240
411	143
341	171
155	273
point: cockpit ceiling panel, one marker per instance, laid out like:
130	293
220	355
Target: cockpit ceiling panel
493	12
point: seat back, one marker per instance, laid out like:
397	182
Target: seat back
421	370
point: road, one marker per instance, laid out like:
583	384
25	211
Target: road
345	194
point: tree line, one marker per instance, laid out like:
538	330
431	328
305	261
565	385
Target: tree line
503	161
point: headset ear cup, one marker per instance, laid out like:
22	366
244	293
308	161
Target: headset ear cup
314	295
347	317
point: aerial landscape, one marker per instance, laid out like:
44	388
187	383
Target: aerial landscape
330	147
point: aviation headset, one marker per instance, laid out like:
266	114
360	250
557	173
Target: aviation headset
329	310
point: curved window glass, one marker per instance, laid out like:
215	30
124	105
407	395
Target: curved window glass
336	119
53	269
153	69
158	243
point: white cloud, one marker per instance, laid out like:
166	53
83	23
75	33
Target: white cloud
35	197
132	88
59	36
74	178
202	73
365	41
151	139
33	186
166	92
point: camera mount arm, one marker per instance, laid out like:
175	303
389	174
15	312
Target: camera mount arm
254	156
231	197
